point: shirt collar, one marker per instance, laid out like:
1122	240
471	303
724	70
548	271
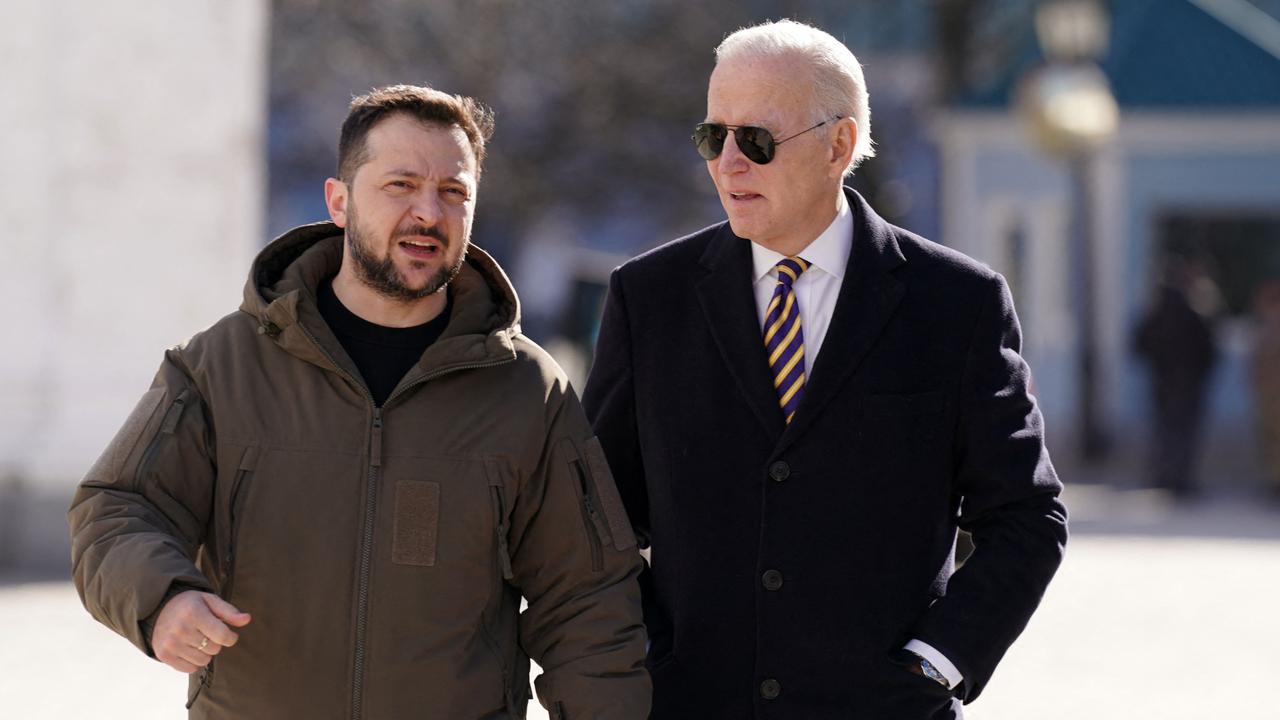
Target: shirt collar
829	252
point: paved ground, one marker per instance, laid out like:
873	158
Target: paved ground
1158	612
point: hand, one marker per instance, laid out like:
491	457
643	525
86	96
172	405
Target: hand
186	622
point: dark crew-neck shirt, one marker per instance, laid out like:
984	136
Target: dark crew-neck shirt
382	354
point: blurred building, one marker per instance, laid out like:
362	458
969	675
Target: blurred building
1193	170
592	162
132	190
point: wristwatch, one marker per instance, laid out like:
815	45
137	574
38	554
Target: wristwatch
928	670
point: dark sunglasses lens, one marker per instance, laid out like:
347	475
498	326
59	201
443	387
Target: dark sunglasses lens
709	139
756	143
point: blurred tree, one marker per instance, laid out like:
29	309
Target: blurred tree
595	102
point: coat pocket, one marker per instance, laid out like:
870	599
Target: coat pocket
508	698
235	517
606	492
163	436
417	523
602	510
903	424
905	405
592	521
501	522
199	682
110	466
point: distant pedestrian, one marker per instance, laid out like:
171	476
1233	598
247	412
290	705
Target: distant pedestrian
1265	374
1175	339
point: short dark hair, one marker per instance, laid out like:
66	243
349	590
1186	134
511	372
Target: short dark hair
419	102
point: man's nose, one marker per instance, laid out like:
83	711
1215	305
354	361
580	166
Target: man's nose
426	208
732	160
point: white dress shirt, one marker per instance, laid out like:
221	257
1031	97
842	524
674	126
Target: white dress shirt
816	292
817	288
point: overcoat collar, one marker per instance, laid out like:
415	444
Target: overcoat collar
868	297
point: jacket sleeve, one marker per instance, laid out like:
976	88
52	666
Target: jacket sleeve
140	513
1009	503
574	557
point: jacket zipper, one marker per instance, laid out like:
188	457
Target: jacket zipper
591	519
507	695
167	427
206	678
239	490
366	561
497	494
500	513
371	505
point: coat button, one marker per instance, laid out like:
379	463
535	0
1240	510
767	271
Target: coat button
772	579
770	689
779	471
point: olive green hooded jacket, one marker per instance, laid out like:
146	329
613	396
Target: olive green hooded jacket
382	552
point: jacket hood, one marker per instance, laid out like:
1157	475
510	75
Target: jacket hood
281	294
292	267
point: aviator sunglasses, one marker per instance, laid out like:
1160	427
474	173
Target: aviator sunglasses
756	143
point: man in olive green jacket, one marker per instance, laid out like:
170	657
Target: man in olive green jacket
329	504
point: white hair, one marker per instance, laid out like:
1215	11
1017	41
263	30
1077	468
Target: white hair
838	85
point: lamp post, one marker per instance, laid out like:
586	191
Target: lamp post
1072	113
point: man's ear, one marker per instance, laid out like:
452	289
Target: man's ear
842	144
335	198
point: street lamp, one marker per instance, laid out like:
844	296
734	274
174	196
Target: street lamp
1072	113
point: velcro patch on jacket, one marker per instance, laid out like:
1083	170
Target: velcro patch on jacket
417	522
607	492
111	464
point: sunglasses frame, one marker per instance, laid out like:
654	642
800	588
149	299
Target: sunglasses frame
756	153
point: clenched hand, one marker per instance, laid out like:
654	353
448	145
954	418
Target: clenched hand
193	627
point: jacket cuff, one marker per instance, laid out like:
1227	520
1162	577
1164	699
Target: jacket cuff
148	623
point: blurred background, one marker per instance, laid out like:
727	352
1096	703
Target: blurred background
1118	162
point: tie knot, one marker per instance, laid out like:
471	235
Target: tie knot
790	269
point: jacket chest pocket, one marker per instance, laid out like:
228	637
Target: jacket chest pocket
901	432
916	418
237	506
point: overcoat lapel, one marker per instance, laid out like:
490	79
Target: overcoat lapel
868	297
729	306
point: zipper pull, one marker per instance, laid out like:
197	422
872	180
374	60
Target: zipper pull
204	683
375	444
504	554
174	414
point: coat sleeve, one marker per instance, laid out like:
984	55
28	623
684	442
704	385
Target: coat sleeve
140	513
609	399
1009	503
574	558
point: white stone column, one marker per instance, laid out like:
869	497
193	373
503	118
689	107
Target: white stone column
132	164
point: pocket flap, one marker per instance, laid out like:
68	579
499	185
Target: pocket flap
110	466
607	493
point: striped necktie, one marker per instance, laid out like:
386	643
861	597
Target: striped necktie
783	339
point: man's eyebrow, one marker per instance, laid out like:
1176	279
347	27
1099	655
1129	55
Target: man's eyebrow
462	179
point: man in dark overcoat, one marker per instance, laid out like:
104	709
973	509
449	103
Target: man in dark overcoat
801	407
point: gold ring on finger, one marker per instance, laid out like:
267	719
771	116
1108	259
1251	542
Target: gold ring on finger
204	643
